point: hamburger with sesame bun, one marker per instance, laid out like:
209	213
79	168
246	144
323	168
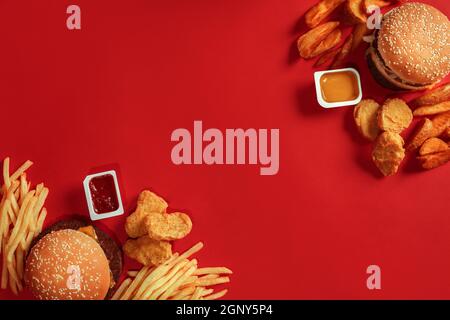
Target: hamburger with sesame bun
411	50
73	260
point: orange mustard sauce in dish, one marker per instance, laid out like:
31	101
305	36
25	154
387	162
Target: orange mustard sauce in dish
339	86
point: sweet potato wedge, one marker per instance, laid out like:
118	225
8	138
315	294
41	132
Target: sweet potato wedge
308	42
321	11
435	96
328	43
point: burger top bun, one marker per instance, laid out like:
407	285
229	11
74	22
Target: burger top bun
67	265
414	42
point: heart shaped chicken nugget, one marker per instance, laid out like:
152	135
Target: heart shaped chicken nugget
148	202
168	226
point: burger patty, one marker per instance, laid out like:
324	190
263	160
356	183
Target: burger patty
112	250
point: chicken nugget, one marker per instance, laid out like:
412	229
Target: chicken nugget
164	226
148	251
388	152
147	203
433	145
365	115
394	115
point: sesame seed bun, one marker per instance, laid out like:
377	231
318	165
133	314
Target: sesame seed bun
56	260
412	48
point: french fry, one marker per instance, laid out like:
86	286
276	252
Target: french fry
215	270
132	274
328	43
156	285
135	283
319	12
20	209
343	52
197	293
4	281
211	282
23	187
179	294
169	280
40	222
123	286
154	275
6	177
175	279
217	295
432	109
24	167
433	97
178	282
308	42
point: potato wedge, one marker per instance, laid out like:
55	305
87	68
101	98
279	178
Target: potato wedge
433	109
433	145
435	96
328	43
440	123
378	3
321	11
359	32
308	42
354	12
330	55
343	53
423	132
446	134
434	160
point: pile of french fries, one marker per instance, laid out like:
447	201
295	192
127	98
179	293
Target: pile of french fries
177	279
323	40
22	216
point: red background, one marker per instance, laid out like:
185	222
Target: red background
111	94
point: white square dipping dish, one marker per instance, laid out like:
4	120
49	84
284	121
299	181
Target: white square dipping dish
98	216
318	75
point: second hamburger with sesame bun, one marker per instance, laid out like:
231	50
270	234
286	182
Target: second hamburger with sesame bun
411	51
73	260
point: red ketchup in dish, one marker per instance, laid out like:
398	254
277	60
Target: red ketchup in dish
104	193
